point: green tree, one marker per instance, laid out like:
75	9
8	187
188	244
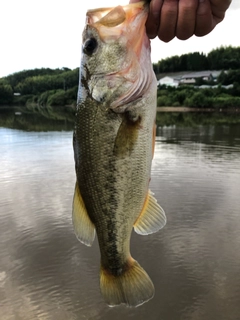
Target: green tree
224	58
197	100
6	94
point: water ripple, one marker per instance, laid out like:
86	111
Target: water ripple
45	273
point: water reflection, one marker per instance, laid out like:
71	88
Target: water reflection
224	135
194	261
34	118
37	118
201	189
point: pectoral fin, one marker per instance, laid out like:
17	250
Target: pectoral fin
83	226
152	217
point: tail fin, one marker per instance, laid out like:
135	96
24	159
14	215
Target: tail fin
133	287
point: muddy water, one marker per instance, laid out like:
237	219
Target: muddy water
194	262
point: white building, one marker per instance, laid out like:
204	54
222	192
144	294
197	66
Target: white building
168	81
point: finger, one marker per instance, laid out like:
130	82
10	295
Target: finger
187	11
219	7
204	21
168	20
218	10
153	20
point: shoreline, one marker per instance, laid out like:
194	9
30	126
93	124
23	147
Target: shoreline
167	109
189	109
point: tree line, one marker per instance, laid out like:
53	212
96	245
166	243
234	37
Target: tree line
223	58
40	86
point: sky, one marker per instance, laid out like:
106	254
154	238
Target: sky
47	34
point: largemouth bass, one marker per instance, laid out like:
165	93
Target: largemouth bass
113	147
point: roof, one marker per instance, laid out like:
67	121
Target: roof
193	74
201	74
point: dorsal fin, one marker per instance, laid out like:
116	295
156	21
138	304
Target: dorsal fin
152	217
83	226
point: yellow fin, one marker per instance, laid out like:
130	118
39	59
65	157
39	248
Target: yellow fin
152	217
127	134
83	226
132	287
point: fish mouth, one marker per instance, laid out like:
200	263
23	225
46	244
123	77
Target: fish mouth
119	13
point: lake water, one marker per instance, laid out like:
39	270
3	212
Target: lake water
194	262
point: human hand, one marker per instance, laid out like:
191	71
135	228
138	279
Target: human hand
183	18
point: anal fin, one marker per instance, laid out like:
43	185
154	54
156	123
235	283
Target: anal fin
83	226
152	217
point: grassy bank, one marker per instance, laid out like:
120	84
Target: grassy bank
192	119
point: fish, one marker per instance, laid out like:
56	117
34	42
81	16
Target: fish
113	142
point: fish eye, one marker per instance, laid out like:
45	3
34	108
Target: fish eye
90	46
